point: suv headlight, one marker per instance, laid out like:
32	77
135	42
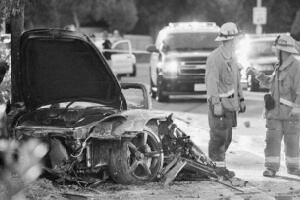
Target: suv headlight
170	68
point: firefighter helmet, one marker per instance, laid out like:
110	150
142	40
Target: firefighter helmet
286	43
228	31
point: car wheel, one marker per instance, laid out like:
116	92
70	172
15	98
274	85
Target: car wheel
133	74
138	160
160	97
252	84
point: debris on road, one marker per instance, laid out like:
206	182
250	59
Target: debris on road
247	124
77	196
188	158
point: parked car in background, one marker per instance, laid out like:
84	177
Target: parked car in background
255	50
120	57
178	59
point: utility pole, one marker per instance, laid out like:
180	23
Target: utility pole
259	16
259	28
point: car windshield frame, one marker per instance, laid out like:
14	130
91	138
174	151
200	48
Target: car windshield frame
191	41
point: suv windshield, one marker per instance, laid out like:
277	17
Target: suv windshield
261	48
190	41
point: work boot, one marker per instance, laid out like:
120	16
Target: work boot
223	171
269	173
294	171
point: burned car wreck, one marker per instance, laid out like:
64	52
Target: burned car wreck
70	99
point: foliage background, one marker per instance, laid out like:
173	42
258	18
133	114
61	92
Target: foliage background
148	16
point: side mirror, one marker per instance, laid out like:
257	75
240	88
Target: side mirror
152	48
136	95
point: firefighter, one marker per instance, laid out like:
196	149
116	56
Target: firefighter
282	108
225	96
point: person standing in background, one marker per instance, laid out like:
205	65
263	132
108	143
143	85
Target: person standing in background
225	96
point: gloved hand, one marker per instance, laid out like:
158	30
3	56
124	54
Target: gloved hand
218	110
253	70
242	107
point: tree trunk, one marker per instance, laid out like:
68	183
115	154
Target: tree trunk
17	26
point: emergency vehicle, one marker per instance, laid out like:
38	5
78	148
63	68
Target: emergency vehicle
178	58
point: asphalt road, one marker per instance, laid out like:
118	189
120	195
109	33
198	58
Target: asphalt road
195	104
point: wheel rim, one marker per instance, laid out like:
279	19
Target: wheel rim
145	156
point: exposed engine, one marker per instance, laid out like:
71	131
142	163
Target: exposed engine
63	117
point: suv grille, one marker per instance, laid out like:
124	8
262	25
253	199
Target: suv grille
192	66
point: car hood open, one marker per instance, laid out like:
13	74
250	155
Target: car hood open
59	66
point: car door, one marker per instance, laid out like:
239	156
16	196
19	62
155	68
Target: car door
136	95
122	59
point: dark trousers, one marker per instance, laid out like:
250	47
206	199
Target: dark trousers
220	133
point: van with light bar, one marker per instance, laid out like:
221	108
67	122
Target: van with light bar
178	58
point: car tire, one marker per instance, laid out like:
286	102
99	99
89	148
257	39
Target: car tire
160	97
133	74
138	160
252	84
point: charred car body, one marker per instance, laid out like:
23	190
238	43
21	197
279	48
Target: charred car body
70	99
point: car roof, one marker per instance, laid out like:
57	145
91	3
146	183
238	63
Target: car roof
187	27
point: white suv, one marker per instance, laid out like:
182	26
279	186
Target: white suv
178	59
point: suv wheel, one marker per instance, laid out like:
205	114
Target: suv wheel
160	97
138	160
